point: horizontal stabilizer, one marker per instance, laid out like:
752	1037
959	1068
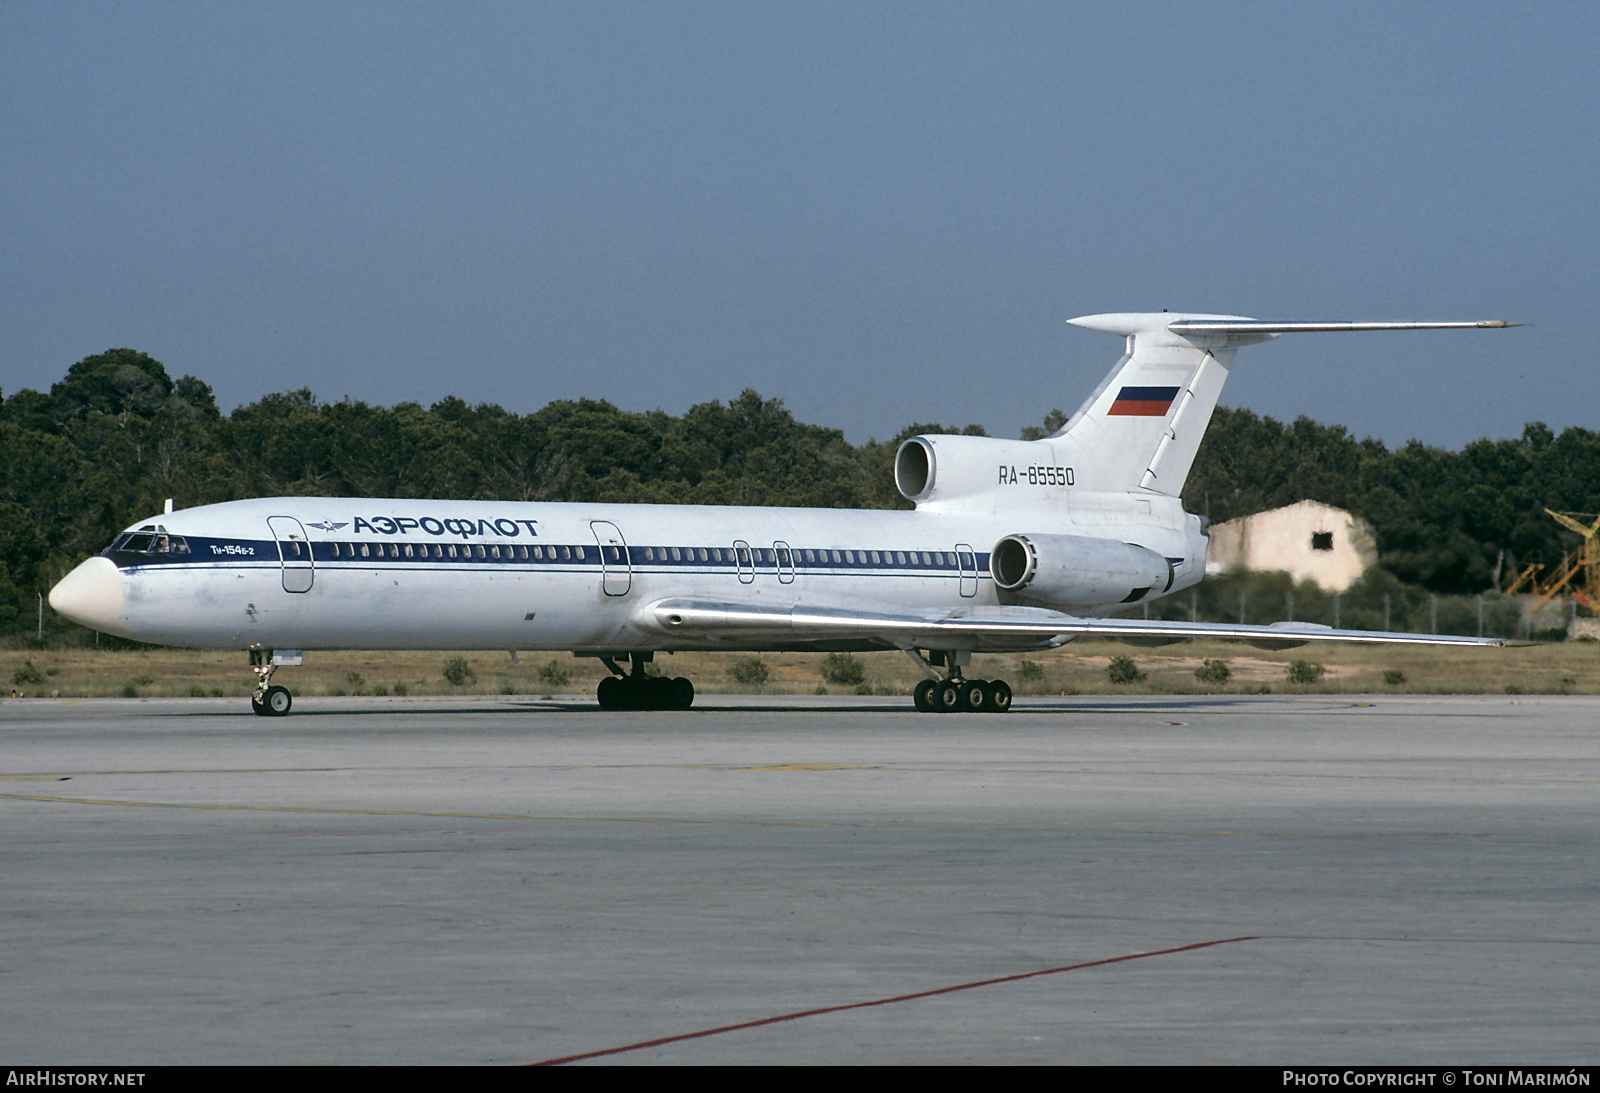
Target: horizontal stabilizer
1255	326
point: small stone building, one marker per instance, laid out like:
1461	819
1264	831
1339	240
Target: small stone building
1309	541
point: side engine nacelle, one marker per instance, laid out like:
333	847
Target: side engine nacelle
1077	571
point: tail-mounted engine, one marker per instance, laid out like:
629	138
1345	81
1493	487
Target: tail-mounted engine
996	473
1076	571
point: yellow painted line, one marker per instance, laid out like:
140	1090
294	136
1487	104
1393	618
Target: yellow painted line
262	808
1069	829
806	766
408	812
1294	770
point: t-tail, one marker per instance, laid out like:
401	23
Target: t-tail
1142	426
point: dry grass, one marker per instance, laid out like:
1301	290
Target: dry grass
1080	668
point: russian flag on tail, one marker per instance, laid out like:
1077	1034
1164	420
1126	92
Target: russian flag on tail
1143	402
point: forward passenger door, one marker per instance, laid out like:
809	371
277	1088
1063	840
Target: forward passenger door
294	552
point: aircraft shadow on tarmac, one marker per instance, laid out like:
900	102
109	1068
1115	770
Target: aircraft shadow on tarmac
1050	706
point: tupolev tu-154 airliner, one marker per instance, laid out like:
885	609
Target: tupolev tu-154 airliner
1013	546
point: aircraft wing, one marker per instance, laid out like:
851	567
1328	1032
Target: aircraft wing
986	628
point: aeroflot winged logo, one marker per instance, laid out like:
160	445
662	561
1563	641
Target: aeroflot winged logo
329	525
1143	402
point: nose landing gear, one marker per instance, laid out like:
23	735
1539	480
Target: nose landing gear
270	700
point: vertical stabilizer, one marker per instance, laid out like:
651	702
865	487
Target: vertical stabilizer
1141	427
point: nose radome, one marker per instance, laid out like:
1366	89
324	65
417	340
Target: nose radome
92	596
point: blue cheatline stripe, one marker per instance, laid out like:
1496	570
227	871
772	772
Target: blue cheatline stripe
265	556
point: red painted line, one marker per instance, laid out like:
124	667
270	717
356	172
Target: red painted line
780	1018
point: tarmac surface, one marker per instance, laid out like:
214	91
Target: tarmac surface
1271	880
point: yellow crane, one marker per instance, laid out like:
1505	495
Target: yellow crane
1579	571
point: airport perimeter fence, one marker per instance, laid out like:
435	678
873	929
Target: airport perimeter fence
1376	602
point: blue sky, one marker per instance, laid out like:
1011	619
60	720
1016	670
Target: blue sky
879	213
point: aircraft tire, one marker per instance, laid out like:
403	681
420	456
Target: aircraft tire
972	696
657	694
922	696
947	697
277	701
682	694
259	706
609	693
996	696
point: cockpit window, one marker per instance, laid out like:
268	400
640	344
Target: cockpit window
141	542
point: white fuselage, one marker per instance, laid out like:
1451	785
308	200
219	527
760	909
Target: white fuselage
314	573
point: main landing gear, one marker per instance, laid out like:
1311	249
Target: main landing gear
270	700
637	691
954	694
962	696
